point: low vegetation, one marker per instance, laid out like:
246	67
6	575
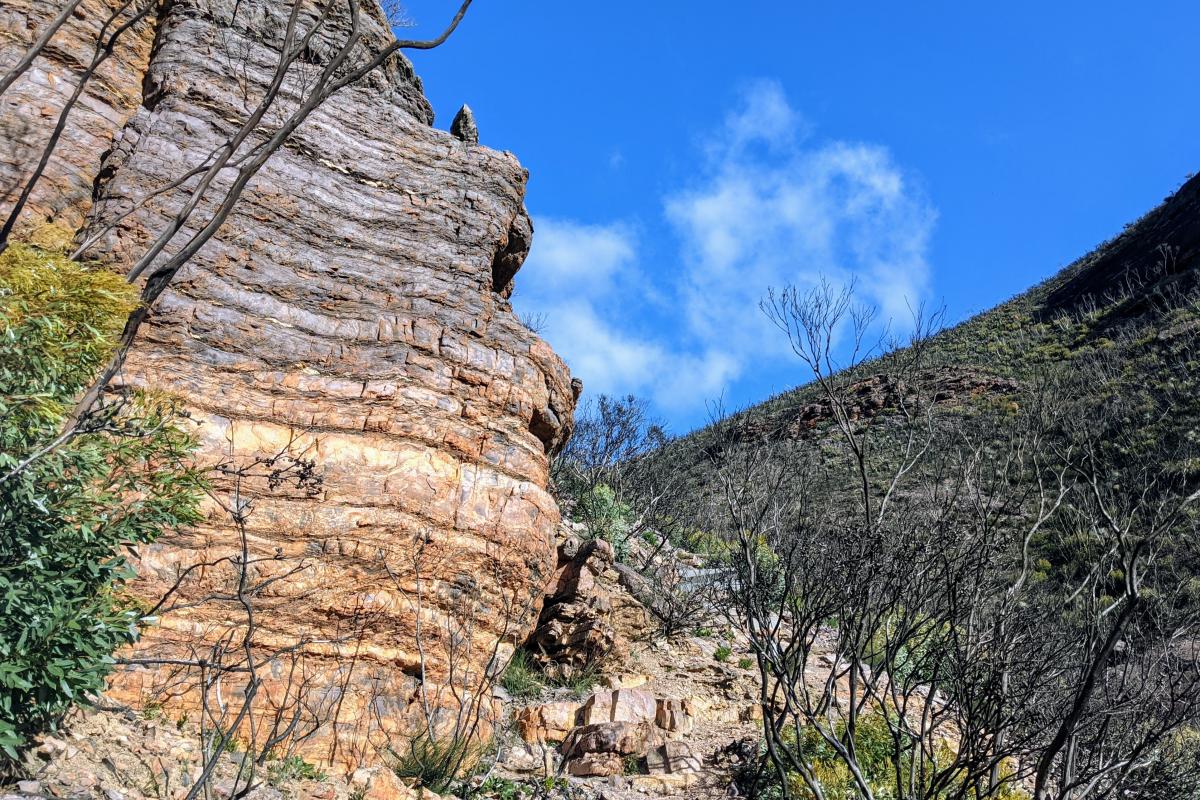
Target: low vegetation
69	511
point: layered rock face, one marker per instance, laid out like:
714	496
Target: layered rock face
352	311
30	109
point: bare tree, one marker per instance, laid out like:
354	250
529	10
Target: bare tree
222	673
975	586
465	630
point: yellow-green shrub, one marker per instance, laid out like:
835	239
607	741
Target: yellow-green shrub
67	515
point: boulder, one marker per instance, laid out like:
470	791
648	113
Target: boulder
674	716
667	785
549	722
624	738
619	705
593	765
380	783
528	757
671	758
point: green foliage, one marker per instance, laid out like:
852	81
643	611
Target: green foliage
579	682
437	763
745	663
905	647
722	653
522	679
633	765
293	768
876	758
552	783
708	544
68	515
503	789
605	517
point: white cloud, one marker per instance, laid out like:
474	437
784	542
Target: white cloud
575	277
576	257
769	206
790	215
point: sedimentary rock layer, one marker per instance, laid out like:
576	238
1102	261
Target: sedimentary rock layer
353	312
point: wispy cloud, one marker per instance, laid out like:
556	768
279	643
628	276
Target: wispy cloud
576	277
770	205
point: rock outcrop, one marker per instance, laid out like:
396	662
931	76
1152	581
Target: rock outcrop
353	310
573	632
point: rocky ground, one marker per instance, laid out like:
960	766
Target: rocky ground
660	718
109	753
669	718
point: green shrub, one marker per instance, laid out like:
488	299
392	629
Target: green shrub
293	768
579	682
876	757
521	679
67	516
745	663
437	764
704	633
722	653
605	517
503	789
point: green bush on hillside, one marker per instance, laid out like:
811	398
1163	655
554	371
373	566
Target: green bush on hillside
606	517
875	753
68	515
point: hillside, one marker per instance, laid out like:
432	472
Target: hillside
1144	279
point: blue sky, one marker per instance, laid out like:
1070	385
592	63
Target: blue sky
686	156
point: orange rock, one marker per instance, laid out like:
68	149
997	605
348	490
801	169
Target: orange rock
593	765
353	310
619	705
674	716
549	722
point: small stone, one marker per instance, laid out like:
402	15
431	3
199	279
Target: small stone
51	745
463	127
29	787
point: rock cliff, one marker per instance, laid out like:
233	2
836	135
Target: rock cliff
352	311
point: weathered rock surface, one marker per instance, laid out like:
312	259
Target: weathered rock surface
621	705
352	310
674	715
623	738
672	758
548	722
30	108
573	632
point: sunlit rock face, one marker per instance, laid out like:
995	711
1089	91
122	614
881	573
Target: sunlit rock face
352	311
30	108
